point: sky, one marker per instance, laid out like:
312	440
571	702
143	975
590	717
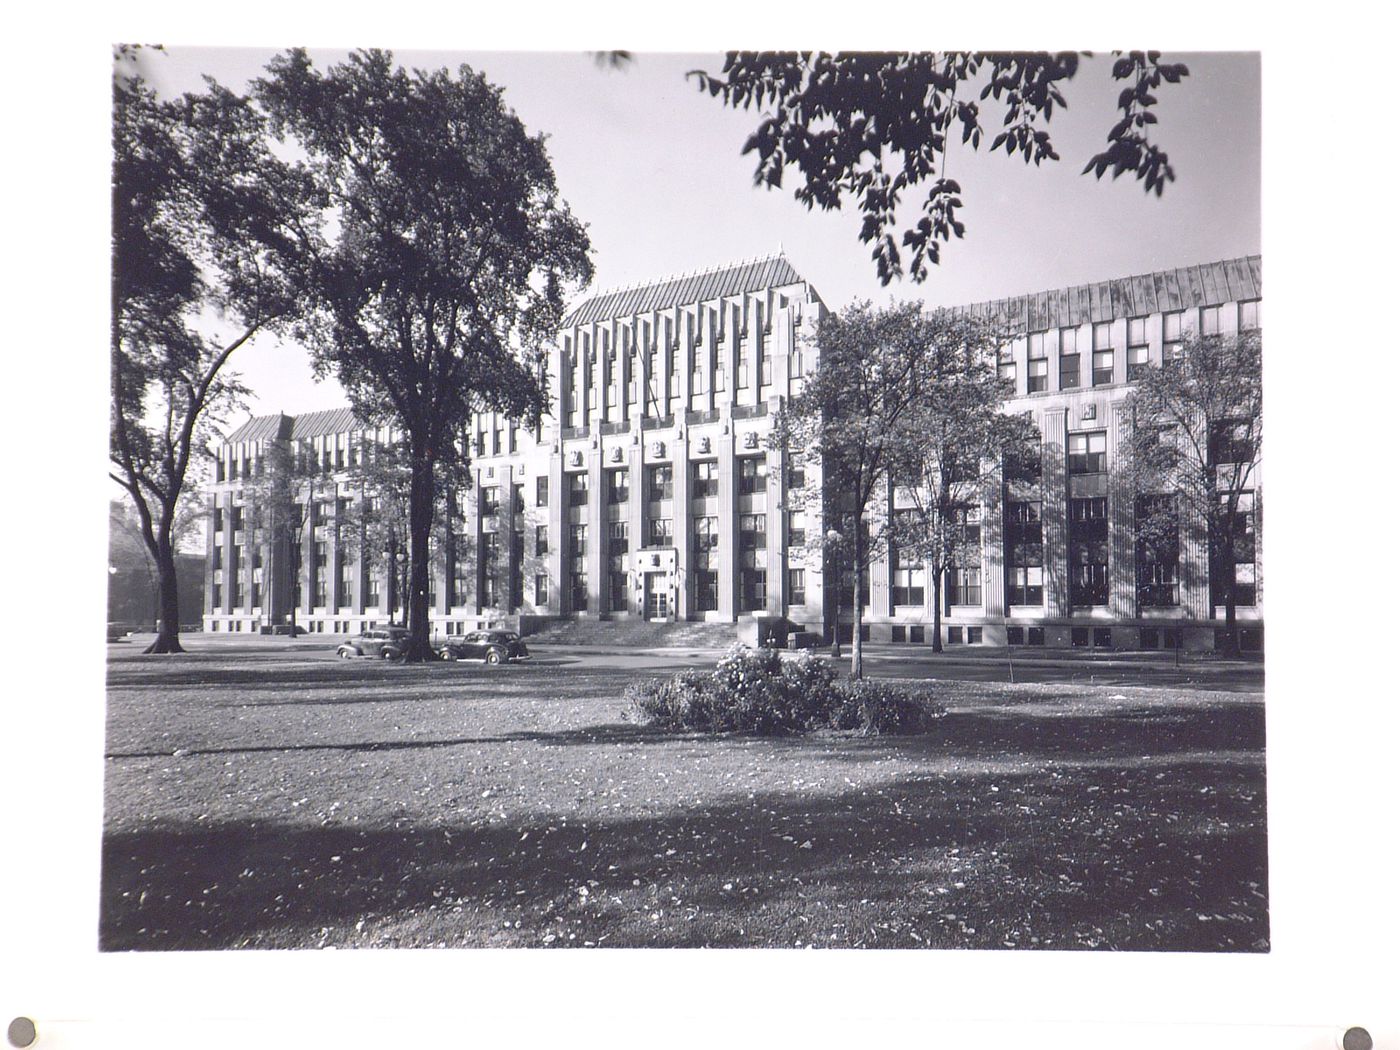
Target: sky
654	168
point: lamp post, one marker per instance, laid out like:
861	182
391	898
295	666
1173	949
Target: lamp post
399	559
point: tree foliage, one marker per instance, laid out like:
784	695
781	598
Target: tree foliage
952	447
437	273
850	417
1196	433
872	127
203	219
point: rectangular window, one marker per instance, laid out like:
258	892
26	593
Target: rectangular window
705	477
1239	560
955	635
1088	551
706	590
1103	638
578	490
578	541
1037	375
1088	452
1158	551
542	491
1103	367
1103	336
753	475
1015	636
1171	336
797	529
659	484
517	499
907	586
797	477
578	585
218	557
1230	442
237	517
1249	315
1025	554
706	542
619	483
964	586
1137	362
974	636
753	540
1069	371
659	532
753	590
541	540
797	586
1210	320
542	588
1006	372
897	632
490	501
1079	637
1035	635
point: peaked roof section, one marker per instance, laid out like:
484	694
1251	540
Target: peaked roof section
308	425
734	279
1207	284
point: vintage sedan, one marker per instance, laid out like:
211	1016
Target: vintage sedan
386	643
494	647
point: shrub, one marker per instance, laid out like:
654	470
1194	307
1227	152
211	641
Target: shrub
757	691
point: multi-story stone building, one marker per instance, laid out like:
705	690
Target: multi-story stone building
651	491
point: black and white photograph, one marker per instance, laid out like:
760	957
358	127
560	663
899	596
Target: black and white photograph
796	500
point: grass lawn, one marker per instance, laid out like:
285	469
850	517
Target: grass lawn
289	800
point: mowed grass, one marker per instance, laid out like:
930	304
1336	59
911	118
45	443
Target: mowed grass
289	800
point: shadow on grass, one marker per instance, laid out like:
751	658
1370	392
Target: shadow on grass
1162	855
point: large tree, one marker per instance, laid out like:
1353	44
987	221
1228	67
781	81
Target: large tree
952	448
1193	453
871	127
439	270
201	214
850	416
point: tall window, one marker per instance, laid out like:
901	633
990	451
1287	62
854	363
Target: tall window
578	541
1069	358
706	560
1249	315
964	586
797	586
1038	364
753	561
578	489
753	474
797	529
541	540
1006	368
705	473
617	565
542	588
1239	560
542	491
1158	551
490	501
1088	551
618	486
659	485
1088	452
1210	320
1137	347
1171	336
1025	554
1103	355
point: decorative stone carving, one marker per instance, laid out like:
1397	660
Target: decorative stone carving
1091	411
704	444
658	448
617	454
575	458
751	439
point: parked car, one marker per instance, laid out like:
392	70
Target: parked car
386	643
492	646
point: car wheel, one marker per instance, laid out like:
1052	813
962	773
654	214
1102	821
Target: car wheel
344	654
446	654
388	654
493	656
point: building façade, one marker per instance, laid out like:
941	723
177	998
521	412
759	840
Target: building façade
652	492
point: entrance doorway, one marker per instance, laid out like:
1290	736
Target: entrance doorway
658	603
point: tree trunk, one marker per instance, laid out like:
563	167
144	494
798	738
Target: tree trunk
936	642
168	626
420	522
857	662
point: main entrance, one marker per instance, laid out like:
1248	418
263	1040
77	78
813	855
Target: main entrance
657	597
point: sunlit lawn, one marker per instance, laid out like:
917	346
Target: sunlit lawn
291	800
